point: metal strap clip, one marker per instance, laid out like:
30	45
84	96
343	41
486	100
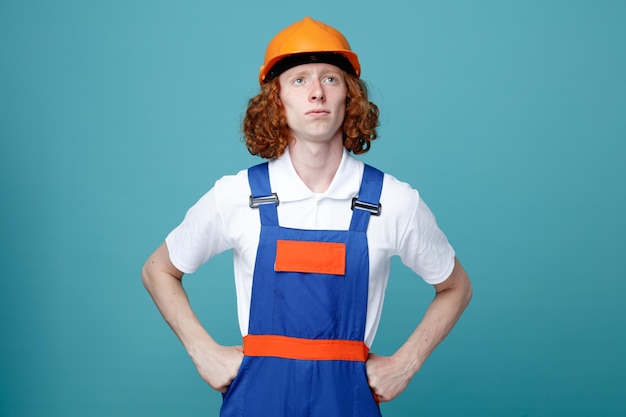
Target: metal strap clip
372	208
255	202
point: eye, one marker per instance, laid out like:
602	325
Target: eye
298	81
331	79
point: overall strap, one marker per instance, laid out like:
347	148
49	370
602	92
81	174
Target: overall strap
367	203
262	196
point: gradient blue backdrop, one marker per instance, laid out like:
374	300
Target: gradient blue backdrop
509	116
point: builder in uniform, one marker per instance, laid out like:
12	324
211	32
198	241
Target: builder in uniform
312	232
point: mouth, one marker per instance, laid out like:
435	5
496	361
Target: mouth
317	112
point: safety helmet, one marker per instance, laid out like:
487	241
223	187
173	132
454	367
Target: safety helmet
304	42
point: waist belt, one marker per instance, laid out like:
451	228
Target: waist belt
305	349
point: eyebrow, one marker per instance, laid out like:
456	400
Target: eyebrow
329	69
322	75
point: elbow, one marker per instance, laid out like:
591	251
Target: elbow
459	284
465	287
146	276
158	269
468	292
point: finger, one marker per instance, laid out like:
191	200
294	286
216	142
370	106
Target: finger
223	389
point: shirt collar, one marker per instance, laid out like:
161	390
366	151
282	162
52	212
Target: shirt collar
287	184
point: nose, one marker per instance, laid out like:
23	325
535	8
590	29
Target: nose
317	92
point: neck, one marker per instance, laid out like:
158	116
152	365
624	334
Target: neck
316	164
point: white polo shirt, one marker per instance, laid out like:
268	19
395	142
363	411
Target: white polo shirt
222	220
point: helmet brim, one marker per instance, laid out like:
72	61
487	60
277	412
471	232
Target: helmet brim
345	60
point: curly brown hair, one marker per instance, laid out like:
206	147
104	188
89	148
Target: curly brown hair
267	133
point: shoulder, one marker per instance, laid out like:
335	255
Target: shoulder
229	207
398	194
240	179
229	189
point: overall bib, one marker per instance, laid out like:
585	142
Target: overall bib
304	355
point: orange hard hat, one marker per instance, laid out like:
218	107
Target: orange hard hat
305	42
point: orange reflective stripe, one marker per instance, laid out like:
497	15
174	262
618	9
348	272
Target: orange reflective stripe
305	349
312	257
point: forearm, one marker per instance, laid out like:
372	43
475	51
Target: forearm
216	364
439	319
389	376
164	284
173	304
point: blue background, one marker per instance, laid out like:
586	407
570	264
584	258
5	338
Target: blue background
508	116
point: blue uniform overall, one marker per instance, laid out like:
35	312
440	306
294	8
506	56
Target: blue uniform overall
304	354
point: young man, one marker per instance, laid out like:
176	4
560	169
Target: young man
312	233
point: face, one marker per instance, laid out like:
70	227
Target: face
314	98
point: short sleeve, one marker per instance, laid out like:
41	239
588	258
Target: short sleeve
199	236
425	248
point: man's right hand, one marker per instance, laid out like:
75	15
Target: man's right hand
218	365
